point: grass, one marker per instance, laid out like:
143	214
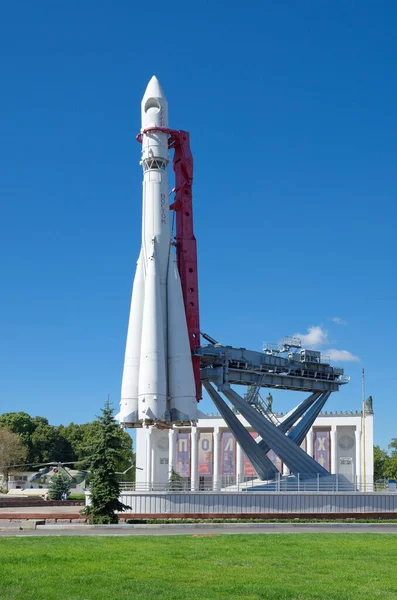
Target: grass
243	567
76	497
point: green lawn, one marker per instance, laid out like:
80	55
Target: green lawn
243	567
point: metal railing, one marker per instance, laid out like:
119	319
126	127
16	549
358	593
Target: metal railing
293	484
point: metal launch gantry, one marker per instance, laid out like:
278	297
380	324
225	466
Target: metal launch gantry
225	366
286	367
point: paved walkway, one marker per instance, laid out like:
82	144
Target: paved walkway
42	510
195	531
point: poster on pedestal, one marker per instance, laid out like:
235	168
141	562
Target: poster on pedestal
228	454
205	454
249	470
182	454
321	448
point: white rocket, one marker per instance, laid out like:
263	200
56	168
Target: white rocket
158	382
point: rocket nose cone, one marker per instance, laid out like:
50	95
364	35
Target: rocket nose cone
154	105
154	90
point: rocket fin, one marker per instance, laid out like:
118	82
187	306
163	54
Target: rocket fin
183	404
152	389
129	387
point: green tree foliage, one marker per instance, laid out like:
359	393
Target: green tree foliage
385	465
71	443
106	453
391	467
23	425
20	423
82	437
41	440
48	444
391	462
59	486
12	452
380	458
75	435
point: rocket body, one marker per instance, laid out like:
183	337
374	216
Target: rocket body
158	382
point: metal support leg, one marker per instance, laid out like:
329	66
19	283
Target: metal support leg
299	433
294	457
292	418
261	463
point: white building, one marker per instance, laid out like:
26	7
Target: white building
206	456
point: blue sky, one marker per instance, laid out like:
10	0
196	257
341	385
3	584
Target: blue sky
291	110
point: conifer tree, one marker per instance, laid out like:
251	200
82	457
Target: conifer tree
59	486
105	453
175	481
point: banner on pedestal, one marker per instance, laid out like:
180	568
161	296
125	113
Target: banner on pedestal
321	448
182	458
228	454
249	470
205	454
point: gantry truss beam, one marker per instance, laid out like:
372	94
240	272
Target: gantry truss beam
224	365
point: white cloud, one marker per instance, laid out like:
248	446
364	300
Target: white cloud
315	336
342	355
339	321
